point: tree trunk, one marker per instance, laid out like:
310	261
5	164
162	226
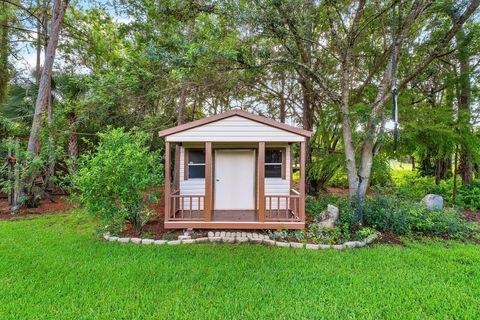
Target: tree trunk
182	104
307	123
44	89
464	97
443	168
72	143
4	52
282	106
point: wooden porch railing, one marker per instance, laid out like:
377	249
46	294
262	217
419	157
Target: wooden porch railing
186	207
283	207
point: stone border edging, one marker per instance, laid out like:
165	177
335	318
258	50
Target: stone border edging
231	237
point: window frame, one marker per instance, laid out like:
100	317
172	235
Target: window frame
187	164
282	163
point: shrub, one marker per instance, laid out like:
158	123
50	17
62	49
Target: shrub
410	185
364	232
314	207
468	196
402	217
387	214
395	215
112	182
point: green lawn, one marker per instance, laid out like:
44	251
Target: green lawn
55	267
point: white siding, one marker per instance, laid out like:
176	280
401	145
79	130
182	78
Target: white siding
190	186
279	186
273	186
235	129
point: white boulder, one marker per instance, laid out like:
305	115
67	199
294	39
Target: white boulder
329	217
433	202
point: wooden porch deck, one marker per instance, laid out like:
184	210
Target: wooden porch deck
229	215
237	219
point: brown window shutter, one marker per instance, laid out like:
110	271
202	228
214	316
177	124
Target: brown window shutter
284	163
185	164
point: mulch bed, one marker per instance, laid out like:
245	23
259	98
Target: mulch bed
154	228
389	238
59	204
471	215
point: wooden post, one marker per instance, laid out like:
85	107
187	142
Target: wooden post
302	180
292	163
261	181
207	205
167	181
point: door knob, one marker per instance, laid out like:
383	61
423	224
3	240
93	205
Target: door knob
217	180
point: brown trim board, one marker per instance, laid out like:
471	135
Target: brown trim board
231	113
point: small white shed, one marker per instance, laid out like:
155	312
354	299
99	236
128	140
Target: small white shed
234	171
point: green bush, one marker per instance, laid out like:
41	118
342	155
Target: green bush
112	182
403	217
468	196
387	213
410	185
393	214
380	178
314	207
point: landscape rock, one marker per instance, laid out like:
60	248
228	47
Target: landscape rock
256	240
352	244
371	238
329	217
188	241
337	246
312	246
324	246
433	202
269	242
106	236
147	241
174	242
123	240
242	240
282	244
296	245
215	239
159	242
228	239
188	232
211	234
136	240
113	239
202	240
184	237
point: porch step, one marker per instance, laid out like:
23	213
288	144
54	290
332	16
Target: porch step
237	235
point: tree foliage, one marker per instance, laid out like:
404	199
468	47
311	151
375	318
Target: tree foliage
113	181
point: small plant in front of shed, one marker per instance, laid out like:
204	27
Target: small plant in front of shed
113	181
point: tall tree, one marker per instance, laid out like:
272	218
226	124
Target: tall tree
44	90
4	51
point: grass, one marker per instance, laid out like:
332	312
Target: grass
54	267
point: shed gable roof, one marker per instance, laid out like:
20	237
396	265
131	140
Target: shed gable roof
240	113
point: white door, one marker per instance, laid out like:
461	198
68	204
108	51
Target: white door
234	179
